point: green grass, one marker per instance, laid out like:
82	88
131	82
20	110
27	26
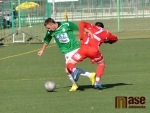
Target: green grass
22	78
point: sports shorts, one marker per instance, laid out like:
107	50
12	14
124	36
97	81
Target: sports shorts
90	52
70	54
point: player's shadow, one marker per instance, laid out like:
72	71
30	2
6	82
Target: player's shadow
105	86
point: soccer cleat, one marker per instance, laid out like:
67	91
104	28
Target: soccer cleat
76	74
74	87
92	79
98	86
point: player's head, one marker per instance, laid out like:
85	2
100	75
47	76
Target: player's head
100	24
50	24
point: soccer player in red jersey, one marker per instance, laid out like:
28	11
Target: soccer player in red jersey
90	42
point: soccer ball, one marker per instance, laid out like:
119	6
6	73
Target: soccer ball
50	86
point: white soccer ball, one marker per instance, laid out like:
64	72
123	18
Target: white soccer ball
50	86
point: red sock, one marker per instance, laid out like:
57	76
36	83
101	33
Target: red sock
100	70
71	67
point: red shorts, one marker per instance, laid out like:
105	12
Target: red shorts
86	51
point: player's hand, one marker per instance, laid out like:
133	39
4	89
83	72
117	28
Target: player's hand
106	41
40	52
89	33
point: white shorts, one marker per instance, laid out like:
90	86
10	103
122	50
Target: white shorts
69	55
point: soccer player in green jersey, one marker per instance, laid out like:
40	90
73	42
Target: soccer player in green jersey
62	32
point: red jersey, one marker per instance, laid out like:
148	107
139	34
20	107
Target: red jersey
100	35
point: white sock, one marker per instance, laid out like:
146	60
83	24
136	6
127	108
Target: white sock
86	74
97	79
71	79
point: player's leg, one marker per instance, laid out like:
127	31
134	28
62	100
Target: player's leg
99	74
78	57
70	77
74	84
98	58
76	72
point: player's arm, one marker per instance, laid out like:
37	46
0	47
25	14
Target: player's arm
73	26
47	40
111	38
42	50
83	27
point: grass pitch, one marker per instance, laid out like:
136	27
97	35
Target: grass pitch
23	75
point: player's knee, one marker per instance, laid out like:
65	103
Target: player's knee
71	61
101	62
67	72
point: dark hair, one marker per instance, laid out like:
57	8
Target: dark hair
49	20
100	24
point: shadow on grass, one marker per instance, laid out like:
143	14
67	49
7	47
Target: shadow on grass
105	86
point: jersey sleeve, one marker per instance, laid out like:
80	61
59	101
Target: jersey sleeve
81	27
111	39
73	26
47	38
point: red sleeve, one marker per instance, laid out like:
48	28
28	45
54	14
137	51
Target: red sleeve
112	38
81	26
